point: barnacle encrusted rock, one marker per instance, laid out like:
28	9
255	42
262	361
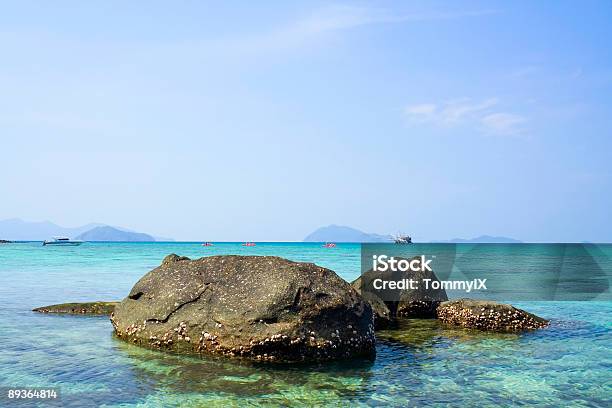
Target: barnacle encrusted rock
487	315
86	308
256	307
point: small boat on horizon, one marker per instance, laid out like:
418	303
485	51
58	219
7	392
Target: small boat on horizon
402	239
207	244
249	244
65	241
329	245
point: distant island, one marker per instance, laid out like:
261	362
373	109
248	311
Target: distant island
341	233
16	229
107	233
483	239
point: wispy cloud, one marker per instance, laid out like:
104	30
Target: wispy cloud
524	72
503	123
424	111
331	19
344	17
481	114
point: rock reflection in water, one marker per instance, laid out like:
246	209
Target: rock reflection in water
234	378
422	333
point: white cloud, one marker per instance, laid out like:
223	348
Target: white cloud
503	123
457	111
465	112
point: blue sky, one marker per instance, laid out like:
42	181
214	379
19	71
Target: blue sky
239	121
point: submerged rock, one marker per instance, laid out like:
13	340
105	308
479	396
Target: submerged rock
487	315
412	303
88	308
261	308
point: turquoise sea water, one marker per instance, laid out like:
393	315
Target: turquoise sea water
422	364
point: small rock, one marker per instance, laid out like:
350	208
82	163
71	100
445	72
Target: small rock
488	315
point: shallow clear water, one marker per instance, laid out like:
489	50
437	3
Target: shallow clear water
421	364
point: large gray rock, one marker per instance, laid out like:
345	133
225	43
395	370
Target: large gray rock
488	315
412	303
262	308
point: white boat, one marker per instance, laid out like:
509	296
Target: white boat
62	241
402	239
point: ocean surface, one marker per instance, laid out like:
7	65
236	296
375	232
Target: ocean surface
422	364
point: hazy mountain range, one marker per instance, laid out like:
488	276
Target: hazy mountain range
483	239
340	233
16	229
106	233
